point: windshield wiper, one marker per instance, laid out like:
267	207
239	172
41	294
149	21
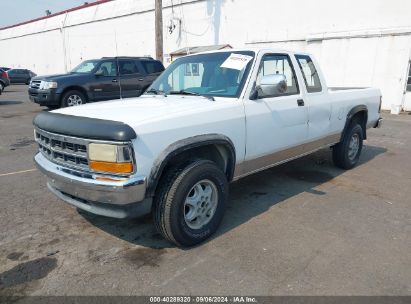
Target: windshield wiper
183	92
154	91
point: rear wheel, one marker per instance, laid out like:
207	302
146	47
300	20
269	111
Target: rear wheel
73	98
347	153
1	87
190	202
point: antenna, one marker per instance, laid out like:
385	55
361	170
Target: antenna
118	66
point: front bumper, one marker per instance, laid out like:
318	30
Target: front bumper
375	123
103	197
378	124
44	97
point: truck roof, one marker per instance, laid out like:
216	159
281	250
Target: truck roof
130	57
256	50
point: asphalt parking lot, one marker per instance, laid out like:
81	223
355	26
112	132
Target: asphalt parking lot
303	228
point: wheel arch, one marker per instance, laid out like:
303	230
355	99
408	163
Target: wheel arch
74	88
359	113
216	147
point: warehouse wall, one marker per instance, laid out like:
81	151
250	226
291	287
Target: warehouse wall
358	43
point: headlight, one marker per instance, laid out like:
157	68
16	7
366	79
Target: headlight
45	85
108	158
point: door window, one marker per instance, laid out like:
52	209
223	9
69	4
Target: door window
108	68
128	67
273	64
310	74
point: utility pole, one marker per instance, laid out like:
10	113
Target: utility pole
159	29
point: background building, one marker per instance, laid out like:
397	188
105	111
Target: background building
358	43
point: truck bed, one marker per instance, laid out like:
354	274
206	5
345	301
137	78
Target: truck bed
345	98
346	88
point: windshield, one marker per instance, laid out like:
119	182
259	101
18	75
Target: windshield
216	74
86	66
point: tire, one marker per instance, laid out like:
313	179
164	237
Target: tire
1	87
347	152
73	98
200	183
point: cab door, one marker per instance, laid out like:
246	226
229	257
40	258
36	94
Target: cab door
318	103
105	85
131	78
276	126
13	75
21	76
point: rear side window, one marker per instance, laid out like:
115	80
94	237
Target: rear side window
310	74
152	66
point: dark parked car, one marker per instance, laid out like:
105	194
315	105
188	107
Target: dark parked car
5	69
20	75
4	80
94	80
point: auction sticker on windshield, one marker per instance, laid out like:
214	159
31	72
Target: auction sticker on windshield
236	61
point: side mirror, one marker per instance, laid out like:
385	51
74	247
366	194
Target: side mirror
272	85
99	73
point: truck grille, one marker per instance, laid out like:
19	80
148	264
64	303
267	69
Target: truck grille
63	150
35	84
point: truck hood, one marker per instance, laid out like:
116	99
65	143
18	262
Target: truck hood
146	108
57	77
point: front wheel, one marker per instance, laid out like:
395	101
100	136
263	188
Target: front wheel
347	152
190	202
73	98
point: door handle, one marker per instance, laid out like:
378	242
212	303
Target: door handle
141	79
114	80
300	102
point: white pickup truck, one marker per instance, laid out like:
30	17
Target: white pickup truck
209	119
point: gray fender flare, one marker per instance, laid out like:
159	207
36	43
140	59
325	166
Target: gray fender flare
185	145
350	115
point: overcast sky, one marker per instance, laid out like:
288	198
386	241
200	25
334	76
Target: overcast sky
16	11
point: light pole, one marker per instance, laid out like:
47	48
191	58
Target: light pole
159	29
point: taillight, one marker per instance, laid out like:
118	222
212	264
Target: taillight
4	75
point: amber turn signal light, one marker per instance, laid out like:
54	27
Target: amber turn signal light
109	167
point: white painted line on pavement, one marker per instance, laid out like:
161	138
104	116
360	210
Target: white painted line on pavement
17	172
